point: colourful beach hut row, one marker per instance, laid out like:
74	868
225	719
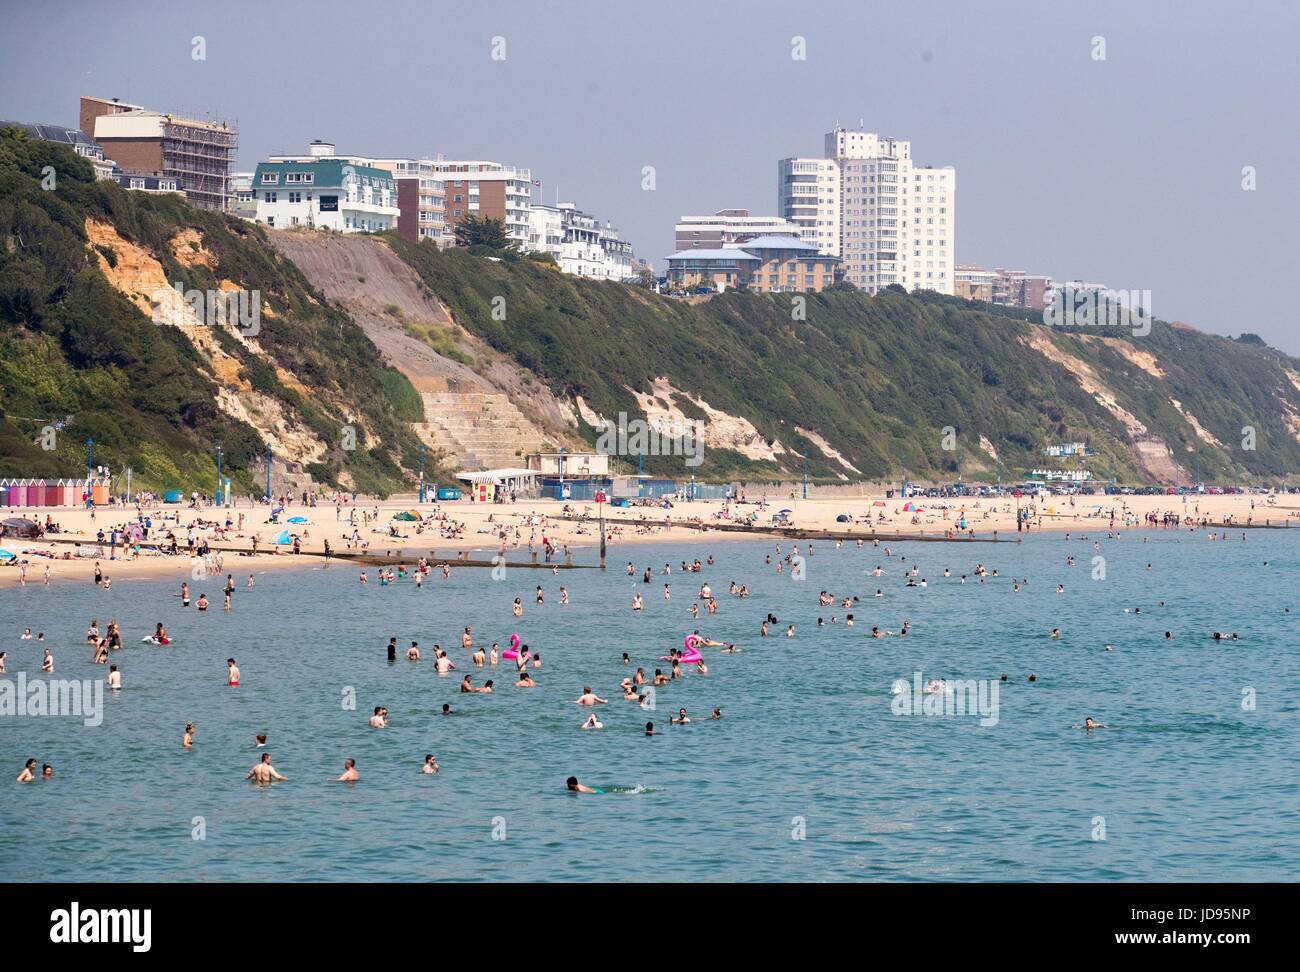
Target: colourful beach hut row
16	493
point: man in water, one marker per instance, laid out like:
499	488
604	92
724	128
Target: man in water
350	774
233	673
264	772
430	764
588	697
576	787
379	720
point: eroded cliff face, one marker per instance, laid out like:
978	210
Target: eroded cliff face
141	278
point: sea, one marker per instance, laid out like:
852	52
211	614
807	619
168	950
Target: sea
829	763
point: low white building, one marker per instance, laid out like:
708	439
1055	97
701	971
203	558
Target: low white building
579	243
324	191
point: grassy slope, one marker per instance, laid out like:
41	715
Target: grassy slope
878	377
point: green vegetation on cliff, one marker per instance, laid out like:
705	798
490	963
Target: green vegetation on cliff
74	348
880	378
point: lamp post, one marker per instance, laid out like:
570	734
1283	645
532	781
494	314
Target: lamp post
421	472
805	474
268	471
90	456
217	495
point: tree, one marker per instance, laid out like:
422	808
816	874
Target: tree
483	231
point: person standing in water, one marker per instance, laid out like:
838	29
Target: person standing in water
264	772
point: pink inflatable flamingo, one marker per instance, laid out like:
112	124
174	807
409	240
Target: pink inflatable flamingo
513	650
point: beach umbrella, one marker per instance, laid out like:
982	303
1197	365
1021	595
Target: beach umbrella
20	526
297	519
283	537
6	554
785	511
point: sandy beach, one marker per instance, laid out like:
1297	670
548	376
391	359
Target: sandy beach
452	530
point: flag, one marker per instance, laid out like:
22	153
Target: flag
537	183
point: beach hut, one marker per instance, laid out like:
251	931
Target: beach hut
71	492
448	493
52	495
18	493
172	496
4	493
99	493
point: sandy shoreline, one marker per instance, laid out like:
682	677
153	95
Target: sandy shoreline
529	522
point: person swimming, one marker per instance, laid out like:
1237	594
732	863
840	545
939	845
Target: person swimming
573	786
350	774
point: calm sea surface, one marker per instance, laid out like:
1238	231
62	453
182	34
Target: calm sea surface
809	776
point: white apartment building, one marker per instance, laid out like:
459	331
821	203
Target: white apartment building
729	227
891	222
808	195
580	244
487	189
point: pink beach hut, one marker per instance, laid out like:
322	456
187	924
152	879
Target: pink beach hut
52	495
71	492
18	494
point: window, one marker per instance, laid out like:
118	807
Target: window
269	196
270	178
295	197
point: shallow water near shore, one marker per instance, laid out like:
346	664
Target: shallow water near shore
809	776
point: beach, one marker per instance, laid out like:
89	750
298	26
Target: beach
477	526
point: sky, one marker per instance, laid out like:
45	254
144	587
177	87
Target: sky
1126	171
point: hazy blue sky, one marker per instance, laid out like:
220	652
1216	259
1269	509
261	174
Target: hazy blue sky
1126	171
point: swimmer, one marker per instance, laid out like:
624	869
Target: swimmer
588	697
232	673
378	720
1056	632
680	719
27	776
114	678
413	653
350	774
264	772
593	723
1089	723
717	714
188	739
430	765
650	729
576	787
259	740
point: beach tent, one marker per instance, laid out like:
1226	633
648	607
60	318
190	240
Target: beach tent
6	554
407	516
842	518
909	508
297	519
283	537
878	503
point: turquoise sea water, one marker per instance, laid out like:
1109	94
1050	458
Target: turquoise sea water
1191	786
